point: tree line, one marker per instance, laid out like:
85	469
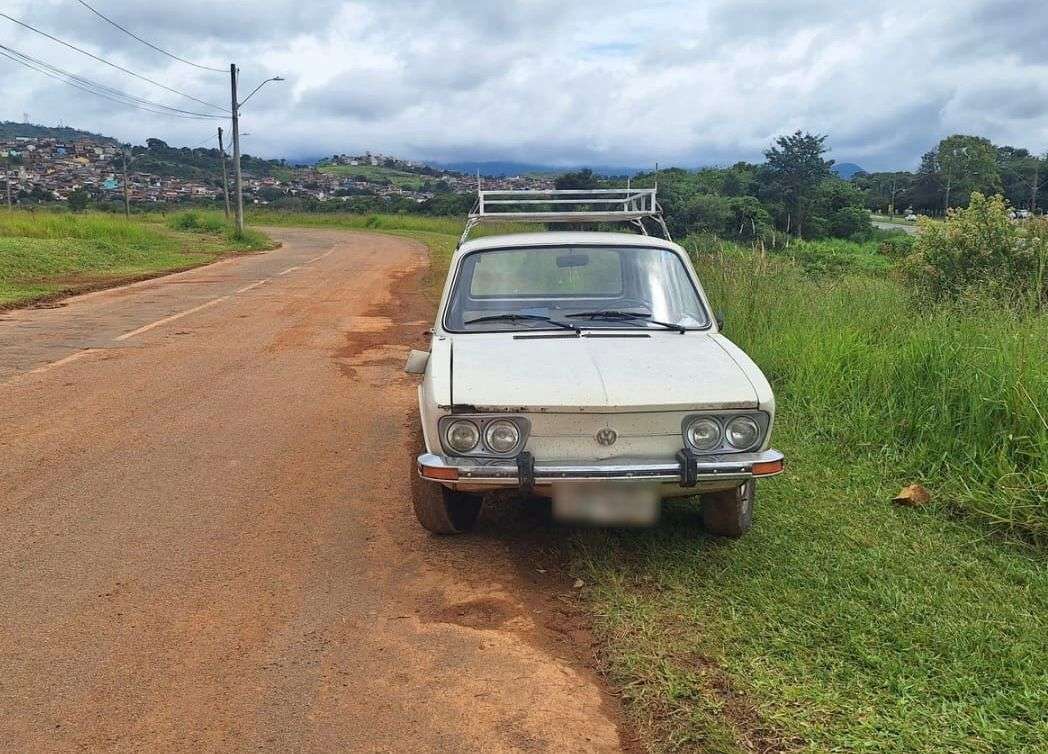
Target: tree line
948	175
793	193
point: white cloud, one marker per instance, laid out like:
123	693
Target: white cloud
600	81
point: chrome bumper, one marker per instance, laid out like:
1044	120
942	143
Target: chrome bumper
687	470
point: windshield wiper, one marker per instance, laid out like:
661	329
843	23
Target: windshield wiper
614	314
523	318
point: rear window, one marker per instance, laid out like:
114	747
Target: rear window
523	272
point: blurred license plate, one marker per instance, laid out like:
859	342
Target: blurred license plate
605	504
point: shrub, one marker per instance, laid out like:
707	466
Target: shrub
197	222
980	249
897	247
849	221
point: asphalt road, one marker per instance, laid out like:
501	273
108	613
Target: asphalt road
910	229
207	543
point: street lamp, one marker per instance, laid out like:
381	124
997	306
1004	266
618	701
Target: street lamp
237	104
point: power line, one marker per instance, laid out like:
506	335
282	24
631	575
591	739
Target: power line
110	64
96	88
101	90
149	44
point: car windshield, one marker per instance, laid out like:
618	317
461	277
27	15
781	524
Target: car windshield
571	287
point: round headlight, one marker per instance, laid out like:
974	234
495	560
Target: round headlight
501	436
742	432
704	434
462	436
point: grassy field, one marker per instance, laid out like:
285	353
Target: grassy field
376	174
49	254
841	622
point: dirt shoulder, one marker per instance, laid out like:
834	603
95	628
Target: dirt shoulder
208	543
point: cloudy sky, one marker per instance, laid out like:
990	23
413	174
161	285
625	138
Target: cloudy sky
566	82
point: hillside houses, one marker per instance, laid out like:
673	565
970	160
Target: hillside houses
50	169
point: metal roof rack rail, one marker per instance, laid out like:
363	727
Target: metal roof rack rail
632	205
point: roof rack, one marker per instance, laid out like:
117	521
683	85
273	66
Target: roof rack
567	206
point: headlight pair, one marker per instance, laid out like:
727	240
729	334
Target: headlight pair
707	434
479	436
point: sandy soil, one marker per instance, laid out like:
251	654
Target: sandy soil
207	541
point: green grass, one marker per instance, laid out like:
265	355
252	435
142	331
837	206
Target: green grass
48	254
954	396
841	622
377	173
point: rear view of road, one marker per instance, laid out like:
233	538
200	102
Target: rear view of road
206	536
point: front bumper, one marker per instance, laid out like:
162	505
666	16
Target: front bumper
687	470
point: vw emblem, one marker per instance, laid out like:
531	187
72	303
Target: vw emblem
607	437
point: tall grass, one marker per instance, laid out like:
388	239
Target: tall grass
952	396
93	226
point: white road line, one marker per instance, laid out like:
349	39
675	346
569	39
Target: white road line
172	318
247	288
289	269
317	259
68	359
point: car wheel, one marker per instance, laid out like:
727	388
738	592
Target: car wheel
729	513
444	511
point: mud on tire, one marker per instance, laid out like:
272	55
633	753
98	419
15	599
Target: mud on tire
438	509
444	511
729	513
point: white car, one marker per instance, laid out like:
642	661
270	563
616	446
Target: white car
586	367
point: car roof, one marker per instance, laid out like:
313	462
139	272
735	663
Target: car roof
565	238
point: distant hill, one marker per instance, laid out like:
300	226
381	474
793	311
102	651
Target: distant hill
198	163
10	130
499	169
847	169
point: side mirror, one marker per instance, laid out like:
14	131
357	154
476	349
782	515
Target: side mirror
417	361
719	317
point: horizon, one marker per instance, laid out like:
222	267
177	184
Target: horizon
453	166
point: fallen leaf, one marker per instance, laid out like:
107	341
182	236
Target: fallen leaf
912	495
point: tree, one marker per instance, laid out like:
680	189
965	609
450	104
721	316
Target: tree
883	190
1022	175
795	164
580	179
78	200
967	163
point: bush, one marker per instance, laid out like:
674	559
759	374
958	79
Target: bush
847	222
979	250
897	247
197	222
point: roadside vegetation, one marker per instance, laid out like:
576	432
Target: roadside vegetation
45	255
843	622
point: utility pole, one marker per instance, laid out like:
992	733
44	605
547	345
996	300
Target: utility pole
225	175
236	150
127	198
1035	184
7	180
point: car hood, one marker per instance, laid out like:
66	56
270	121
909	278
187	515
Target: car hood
664	371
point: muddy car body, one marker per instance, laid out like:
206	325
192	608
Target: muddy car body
571	362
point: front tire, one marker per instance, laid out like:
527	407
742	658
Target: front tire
729	513
444	511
